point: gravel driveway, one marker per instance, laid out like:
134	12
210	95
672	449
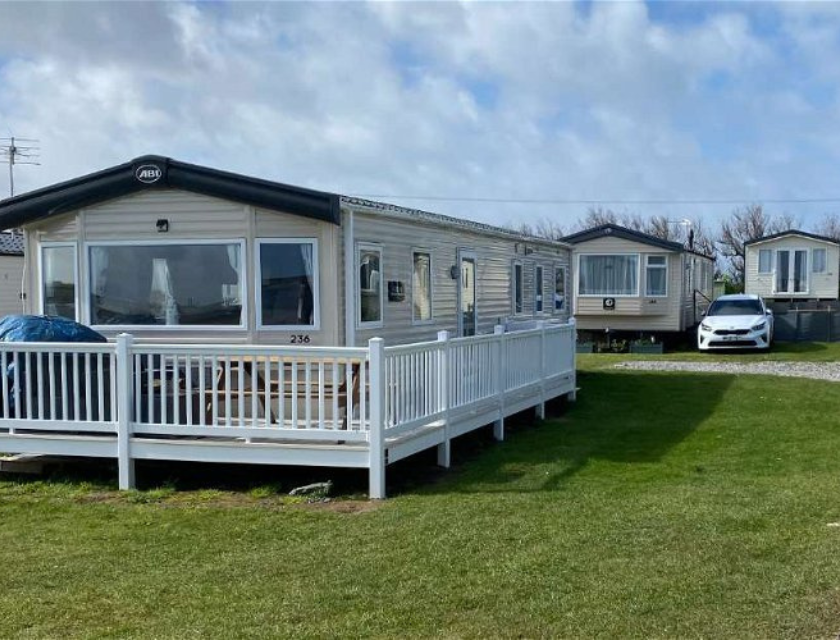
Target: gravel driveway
816	370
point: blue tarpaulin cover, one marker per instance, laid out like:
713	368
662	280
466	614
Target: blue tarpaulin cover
20	328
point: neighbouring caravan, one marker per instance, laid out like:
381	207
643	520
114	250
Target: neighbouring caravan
631	281
11	272
792	265
177	252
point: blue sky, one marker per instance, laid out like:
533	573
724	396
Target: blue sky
612	102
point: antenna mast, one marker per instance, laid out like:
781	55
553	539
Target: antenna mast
18	151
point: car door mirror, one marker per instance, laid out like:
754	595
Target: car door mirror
769	312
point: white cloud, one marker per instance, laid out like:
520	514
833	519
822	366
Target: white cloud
506	100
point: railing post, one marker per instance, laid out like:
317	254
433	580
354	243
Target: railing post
501	382
541	406
376	437
125	375
572	395
444	450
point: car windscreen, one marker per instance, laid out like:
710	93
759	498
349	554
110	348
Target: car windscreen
735	308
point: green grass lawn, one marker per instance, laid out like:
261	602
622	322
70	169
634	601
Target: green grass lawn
659	505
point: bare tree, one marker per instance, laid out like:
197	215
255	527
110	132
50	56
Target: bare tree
660	227
542	228
748	223
703	241
829	226
597	216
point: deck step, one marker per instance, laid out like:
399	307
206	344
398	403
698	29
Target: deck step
27	463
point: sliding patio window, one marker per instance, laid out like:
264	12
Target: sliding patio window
791	271
559	288
287	273
609	275
58	276
421	287
370	300
656	276
167	284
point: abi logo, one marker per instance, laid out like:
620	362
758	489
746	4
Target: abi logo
148	173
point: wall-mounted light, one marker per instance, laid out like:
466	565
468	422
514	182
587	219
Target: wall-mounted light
453	272
162	225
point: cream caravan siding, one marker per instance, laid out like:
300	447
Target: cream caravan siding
820	285
191	217
632	313
494	262
11	284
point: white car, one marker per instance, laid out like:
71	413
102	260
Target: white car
736	321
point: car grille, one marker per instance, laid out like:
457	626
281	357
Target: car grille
732	343
732	332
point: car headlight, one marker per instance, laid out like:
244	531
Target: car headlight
759	326
705	327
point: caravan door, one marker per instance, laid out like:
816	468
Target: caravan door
468	310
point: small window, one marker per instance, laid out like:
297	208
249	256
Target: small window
58	264
765	261
288	279
421	288
538	289
656	282
819	260
370	300
559	288
518	287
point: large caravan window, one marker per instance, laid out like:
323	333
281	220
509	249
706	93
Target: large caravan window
421	287
538	289
370	298
656	276
58	265
518	285
559	288
288	283
170	284
609	275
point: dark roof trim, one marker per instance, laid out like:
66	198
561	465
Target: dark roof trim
616	231
156	172
791	232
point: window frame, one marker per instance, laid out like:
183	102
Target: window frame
42	284
243	285
357	263
664	267
431	319
554	310
539	289
316	290
814	262
791	271
771	253
517	284
637	294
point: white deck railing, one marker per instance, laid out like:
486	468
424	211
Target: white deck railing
153	399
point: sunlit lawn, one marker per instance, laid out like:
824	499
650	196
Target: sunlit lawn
660	505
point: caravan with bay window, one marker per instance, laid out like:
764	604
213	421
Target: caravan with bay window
171	251
626	280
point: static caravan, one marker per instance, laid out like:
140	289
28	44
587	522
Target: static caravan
631	281
792	265
262	323
11	272
173	251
